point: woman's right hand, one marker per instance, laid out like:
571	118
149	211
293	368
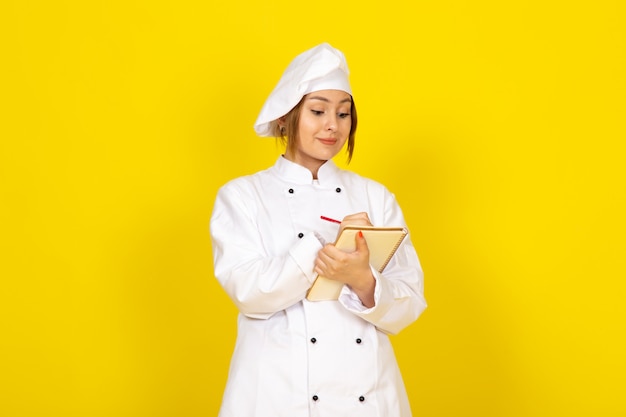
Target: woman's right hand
356	219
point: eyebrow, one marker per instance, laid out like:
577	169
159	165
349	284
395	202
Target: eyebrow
345	100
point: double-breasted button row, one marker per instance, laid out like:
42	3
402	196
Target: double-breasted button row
315	398
358	340
291	190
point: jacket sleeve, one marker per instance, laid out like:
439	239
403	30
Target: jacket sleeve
259	284
399	292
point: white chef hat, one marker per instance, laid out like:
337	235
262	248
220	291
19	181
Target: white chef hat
320	68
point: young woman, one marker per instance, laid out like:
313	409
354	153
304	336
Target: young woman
295	357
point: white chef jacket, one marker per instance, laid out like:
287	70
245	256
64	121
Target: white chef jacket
296	358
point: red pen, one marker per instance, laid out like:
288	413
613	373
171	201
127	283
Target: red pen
328	219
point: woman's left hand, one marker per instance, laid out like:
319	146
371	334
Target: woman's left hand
351	268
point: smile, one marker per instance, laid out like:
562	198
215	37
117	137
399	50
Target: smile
328	141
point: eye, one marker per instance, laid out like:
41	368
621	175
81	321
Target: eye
344	115
317	112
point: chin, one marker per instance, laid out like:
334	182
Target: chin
328	156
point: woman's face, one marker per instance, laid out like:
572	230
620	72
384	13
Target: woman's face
325	123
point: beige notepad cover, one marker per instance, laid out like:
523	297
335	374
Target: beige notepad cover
382	243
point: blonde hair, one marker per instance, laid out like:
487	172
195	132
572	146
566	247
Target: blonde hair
288	132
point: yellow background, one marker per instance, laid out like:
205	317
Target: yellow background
499	125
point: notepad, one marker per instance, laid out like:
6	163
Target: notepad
382	242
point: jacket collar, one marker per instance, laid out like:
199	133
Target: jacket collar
297	174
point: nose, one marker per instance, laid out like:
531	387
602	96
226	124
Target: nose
331	123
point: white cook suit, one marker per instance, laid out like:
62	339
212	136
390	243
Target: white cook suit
295	358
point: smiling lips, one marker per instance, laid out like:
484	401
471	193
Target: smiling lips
328	141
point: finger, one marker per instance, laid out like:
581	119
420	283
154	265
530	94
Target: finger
361	243
357	219
356	216
320	266
325	257
331	251
322	261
